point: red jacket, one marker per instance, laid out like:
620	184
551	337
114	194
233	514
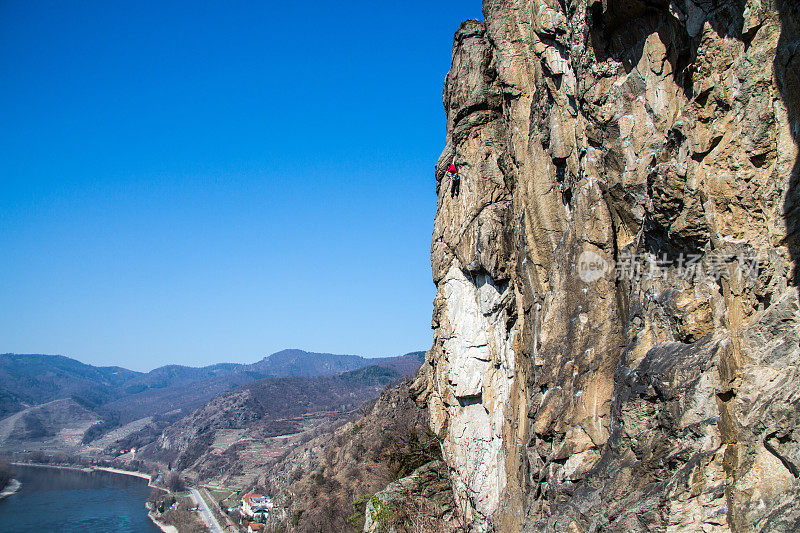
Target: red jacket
452	169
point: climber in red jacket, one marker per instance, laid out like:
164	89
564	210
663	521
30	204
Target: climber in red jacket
455	179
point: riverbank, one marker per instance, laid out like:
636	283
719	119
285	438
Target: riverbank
10	489
166	528
108	469
57	467
123	472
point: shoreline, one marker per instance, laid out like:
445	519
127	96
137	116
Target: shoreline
89	469
122	472
58	467
12	487
166	528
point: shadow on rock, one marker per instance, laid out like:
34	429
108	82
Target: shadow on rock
787	74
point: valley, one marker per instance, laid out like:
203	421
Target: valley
220	424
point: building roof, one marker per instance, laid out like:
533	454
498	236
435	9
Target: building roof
256	526
256	500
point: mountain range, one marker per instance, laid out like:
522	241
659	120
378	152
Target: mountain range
28	380
55	402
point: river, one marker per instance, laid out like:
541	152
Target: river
70	500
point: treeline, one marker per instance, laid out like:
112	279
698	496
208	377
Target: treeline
6	474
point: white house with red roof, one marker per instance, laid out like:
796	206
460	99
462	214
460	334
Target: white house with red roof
253	504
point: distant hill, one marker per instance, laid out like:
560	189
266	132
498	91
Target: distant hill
57	424
175	376
406	365
29	380
284	363
172	388
235	429
305	364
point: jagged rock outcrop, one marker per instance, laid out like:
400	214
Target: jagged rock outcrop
424	496
607	356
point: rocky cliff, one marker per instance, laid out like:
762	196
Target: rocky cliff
617	325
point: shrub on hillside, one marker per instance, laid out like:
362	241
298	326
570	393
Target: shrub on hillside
416	448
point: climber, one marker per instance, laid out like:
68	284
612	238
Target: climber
456	180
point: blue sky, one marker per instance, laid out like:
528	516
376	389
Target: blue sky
194	182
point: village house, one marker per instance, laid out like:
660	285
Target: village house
253	504
255	527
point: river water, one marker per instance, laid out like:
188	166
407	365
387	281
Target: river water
73	501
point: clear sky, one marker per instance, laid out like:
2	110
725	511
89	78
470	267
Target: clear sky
194	182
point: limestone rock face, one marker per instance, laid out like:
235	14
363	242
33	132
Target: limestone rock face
617	326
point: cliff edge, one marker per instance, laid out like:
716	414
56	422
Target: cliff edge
616	326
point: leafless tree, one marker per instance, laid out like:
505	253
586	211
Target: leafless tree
174	482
